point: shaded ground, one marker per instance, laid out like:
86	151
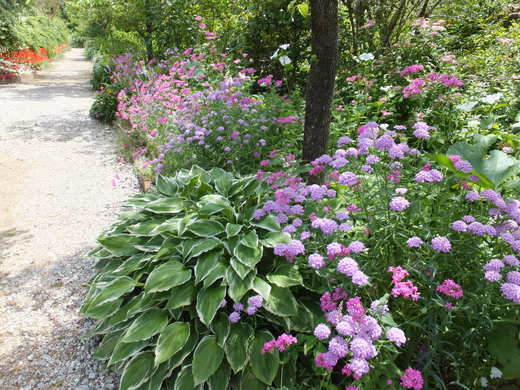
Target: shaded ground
56	196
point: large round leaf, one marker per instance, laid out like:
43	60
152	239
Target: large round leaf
166	276
137	371
264	365
171	340
146	325
206	359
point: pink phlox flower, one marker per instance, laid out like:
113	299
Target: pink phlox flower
412	379
281	343
411	69
450	289
398	273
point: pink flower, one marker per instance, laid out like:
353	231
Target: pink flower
198	18
412	379
450	289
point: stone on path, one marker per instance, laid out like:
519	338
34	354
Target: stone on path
56	196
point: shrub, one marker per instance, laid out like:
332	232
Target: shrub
166	271
105	104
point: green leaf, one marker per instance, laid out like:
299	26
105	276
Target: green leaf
241	269
178	358
238	287
220	327
499	167
281	302
223	182
171	340
123	350
160	374
237	346
167	206
206	359
208	302
250	240
146	325
203	246
170	226
264	366
303	9
262	287
268	223
249	382
107	345
181	296
248	256
99	312
184	380
120	245
503	344
286	275
206	228
113	290
137	371
205	264
232	229
220	379
144	228
166	276
167	185
272	239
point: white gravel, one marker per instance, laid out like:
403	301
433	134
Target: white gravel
56	196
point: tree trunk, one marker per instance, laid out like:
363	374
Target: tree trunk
149	29
320	84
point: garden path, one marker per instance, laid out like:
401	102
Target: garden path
56	196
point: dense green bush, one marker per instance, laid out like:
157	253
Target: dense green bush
22	26
165	272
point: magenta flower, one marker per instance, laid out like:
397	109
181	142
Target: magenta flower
450	289
412	379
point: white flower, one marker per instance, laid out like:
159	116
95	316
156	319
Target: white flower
483	381
474	123
384	126
468	106
495	373
284	60
492	99
285	46
366	57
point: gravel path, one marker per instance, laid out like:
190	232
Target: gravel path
56	196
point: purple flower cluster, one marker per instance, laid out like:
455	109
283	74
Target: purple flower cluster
253	304
355	336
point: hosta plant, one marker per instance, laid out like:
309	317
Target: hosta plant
169	272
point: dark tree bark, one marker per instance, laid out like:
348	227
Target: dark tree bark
320	85
149	30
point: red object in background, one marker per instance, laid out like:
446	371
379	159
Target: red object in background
26	56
